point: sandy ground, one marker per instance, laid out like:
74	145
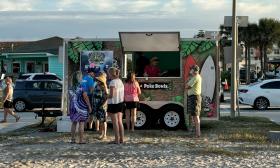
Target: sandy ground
143	148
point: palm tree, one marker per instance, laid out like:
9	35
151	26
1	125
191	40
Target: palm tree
269	33
248	36
225	33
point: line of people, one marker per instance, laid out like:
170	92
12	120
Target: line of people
93	100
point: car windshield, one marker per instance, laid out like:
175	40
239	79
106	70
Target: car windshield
24	77
44	77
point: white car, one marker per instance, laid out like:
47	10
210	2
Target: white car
261	95
39	76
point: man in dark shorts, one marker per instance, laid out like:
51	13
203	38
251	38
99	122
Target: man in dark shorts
194	97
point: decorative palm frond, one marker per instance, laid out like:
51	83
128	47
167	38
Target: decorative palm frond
75	47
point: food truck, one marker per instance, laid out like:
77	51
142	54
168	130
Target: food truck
163	99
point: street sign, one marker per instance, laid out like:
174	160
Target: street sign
228	54
241	20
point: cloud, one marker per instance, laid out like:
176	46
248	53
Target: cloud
17	5
210	4
174	7
257	9
107	5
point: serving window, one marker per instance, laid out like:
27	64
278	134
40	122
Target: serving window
151	54
153	64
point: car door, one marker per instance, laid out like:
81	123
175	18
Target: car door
34	93
53	93
271	91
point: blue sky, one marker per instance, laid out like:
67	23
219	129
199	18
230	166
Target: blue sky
37	19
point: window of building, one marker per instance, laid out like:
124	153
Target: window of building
16	67
251	51
46	67
153	64
276	51
30	67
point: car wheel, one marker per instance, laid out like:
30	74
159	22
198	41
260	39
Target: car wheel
172	117
261	103
143	118
20	105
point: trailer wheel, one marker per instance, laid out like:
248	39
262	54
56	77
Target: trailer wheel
143	118
172	117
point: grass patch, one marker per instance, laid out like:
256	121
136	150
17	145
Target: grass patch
243	129
245	119
223	152
243	136
145	142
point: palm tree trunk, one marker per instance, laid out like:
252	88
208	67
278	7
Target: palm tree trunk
265	59
249	64
246	63
261	59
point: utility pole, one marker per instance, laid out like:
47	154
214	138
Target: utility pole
233	65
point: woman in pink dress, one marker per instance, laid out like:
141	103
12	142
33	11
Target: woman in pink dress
131	93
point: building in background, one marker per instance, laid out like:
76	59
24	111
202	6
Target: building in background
272	54
31	57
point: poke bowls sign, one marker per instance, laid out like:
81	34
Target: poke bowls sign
155	86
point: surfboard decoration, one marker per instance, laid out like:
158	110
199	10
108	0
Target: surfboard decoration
190	61
208	76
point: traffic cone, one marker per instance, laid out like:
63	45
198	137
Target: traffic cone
226	85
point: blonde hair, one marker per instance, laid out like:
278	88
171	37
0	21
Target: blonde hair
9	79
103	81
114	72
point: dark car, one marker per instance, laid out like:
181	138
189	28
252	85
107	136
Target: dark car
29	94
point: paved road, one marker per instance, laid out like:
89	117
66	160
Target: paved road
272	113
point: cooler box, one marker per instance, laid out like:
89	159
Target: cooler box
63	124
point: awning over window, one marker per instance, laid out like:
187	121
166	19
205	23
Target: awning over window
150	41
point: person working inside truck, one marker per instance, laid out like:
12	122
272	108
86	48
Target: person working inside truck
141	63
152	70
194	98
